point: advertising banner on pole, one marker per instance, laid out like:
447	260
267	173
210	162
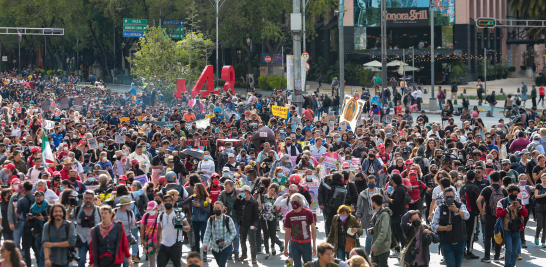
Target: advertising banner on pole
289	72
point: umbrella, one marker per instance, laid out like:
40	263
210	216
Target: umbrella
395	63
193	152
263	134
408	68
374	63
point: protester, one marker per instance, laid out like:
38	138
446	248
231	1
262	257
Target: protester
59	236
219	235
381	232
344	232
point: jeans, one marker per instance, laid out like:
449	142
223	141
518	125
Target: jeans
7	235
329	216
301	253
325	110
368	245
270	233
17	233
512	242
525	220
236	240
489	229
199	233
453	254
246	233
136	234
173	253
540	211
440	102
222	257
82	253
381	260
40	257
341	254
28	243
336	110
319	114
492	107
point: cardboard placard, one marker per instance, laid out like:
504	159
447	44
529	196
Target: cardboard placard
376	119
48	125
120	139
92	143
388	119
78	101
263	134
46	104
63	103
279	111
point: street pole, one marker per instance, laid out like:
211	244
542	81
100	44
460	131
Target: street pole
432	102
485	70
217	72
341	51
383	48
1	57
45	53
413	66
19	53
282	66
296	28
404	64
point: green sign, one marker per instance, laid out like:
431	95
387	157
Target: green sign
135	21
176	35
177	30
139	28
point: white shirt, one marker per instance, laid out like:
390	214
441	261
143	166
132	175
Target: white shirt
432	133
284	201
320	149
438	194
289	150
207	166
418	93
141	158
168	233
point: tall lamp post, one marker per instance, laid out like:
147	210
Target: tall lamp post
412	65
432	102
383	47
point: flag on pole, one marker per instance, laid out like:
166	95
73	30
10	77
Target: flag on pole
46	150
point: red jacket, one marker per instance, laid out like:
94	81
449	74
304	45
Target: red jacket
123	246
502	209
64	174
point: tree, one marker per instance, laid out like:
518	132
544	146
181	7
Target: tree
530	9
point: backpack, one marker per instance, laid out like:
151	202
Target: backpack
518	102
226	222
419	160
141	204
339	194
496	196
531	147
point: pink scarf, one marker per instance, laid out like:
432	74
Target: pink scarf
105	233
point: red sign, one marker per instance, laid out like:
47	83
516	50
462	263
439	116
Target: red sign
268	59
307	66
228	75
305	55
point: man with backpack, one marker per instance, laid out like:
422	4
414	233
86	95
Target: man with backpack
491	195
512	212
85	217
127	217
171	235
219	234
492	100
396	196
469	194
454	90
23	208
59	237
332	193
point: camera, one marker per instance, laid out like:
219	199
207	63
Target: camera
370	231
450	201
261	190
219	243
178	220
87	222
73	256
414	250
72	202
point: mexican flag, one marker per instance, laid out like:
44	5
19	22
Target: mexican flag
46	150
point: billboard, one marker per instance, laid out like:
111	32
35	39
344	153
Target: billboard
367	12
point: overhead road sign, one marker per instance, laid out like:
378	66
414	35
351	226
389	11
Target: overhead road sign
173	22
176	35
134	34
486	23
135	28
135	21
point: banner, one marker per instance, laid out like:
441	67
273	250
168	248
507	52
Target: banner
328	165
289	72
143	179
202	124
279	111
63	103
49	124
78	101
169	124
352	108
46	104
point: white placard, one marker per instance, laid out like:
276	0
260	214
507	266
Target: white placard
49	124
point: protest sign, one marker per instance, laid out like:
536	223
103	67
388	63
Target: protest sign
316	155
78	101
388	119
293	160
351	110
63	103
46	104
376	119
328	165
92	143
279	111
49	124
156	173
143	179
120	139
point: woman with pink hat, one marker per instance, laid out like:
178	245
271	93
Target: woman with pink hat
148	232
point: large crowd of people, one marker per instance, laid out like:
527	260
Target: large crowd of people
93	177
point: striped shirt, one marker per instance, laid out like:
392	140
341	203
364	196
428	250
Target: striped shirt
58	256
216	229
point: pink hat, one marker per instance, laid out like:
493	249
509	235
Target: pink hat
295	178
345	165
152	205
395	171
293	187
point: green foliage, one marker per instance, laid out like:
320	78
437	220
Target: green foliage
491	71
240	70
50	72
262	83
60	70
274	81
523	67
512	68
365	77
538	80
481	66
456	73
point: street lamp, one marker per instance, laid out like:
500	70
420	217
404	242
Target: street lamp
485	50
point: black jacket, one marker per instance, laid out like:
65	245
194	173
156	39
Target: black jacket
398	205
251	212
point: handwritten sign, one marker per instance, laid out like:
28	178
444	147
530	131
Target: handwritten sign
279	111
46	104
120	139
263	134
63	103
92	143
49	124
142	179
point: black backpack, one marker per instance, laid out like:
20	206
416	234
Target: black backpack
141	204
226	222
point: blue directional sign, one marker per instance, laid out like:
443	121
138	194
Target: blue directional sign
134	34
173	22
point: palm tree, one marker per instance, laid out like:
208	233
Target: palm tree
530	9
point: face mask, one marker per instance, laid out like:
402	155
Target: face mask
228	149
523	182
309	177
158	202
152	212
91	179
101	145
243	195
338	140
416	223
41	188
215	182
65	148
489	142
342	218
439	157
217	212
288	144
207	157
459	182
513	197
104	158
371	185
434	171
279	174
225	174
295	205
168	206
460	156
518	159
73	179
